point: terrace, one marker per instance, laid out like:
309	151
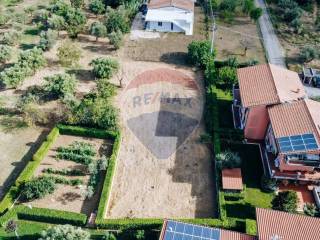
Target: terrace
237	108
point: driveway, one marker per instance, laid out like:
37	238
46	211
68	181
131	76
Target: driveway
137	29
274	51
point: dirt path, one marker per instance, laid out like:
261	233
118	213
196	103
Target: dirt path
163	170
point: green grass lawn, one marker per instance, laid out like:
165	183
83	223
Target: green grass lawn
251	173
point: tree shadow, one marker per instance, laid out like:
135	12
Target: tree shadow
69	197
27	46
240	210
82	75
177	58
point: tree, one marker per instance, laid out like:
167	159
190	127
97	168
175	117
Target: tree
37	188
69	54
255	14
4	19
32	58
247	6
109	236
77	3
309	53
75	22
104	67
5	53
97	7
199	52
228	5
116	39
62	232
12	226
12	38
60	7
57	23
286	201
228	159
227	76
98	30
48	39
60	85
310	209
116	20
268	184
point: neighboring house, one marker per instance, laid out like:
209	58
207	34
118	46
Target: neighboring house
292	141
170	16
271	225
277	225
311	76
259	87
174	230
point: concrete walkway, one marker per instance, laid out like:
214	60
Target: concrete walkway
274	51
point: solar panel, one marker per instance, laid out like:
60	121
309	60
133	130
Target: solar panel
302	142
184	231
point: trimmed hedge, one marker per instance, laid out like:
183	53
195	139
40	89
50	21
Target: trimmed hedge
251	227
86	132
50	216
105	194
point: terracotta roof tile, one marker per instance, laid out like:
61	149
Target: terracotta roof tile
295	118
268	84
232	179
231	235
183	4
286	226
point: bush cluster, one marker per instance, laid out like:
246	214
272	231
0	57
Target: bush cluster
37	188
29	61
80	152
64	172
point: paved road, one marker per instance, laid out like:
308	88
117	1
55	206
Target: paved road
274	51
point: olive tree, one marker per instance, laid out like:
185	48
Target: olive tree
57	23
69	54
116	39
309	53
75	22
98	30
48	39
5	53
97	7
61	232
60	85
116	20
77	3
104	67
12	38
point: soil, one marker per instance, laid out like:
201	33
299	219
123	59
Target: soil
66	197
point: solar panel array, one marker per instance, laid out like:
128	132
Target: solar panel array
298	143
184	231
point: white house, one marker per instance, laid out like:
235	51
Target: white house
170	16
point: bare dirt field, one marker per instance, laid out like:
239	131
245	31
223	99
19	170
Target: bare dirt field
231	40
66	197
163	170
17	147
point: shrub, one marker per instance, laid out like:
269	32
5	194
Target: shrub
12	38
37	188
116	20
228	5
255	14
60	85
139	235
116	39
4	19
57	23
32	59
228	159
285	201
65	232
104	67
199	53
251	227
98	30
227	76
109	236
310	209
5	53
77	3
60	8
268	184
48	39
97	7
64	172
69	54
309	53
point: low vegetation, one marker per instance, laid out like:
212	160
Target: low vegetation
286	201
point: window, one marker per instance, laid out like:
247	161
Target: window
160	24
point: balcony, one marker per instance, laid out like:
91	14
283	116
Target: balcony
236	108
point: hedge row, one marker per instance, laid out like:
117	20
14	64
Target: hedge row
86	132
105	194
50	216
28	171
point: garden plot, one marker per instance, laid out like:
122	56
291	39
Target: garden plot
72	195
162	168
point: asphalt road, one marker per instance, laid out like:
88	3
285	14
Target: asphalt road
274	51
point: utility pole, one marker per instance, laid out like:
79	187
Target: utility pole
214	28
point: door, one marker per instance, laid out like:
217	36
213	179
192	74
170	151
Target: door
171	26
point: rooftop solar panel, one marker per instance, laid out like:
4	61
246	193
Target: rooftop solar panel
184	231
302	142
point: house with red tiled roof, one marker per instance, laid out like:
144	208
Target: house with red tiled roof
170	16
277	225
258	87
